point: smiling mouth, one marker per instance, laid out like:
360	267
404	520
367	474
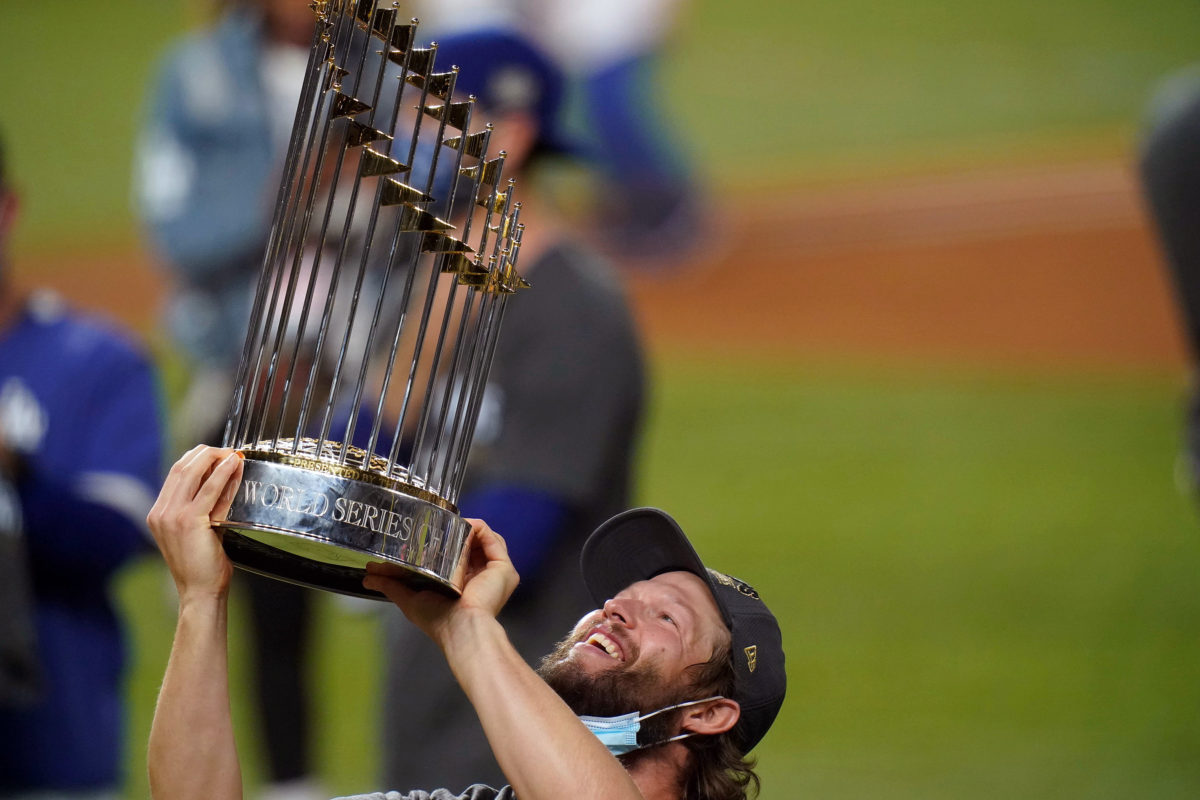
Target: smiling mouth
599	640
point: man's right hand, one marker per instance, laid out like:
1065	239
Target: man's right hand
200	486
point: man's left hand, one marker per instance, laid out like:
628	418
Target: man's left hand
489	582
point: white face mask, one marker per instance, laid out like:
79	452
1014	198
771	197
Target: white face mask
619	734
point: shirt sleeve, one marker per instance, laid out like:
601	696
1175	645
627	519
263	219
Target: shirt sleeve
528	519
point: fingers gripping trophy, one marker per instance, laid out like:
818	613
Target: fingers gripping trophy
392	253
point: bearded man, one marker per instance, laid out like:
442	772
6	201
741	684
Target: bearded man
693	654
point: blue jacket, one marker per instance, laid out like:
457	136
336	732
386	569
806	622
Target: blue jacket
78	402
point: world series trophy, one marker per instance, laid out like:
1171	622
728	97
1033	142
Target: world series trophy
392	254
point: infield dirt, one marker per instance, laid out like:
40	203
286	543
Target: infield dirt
1045	267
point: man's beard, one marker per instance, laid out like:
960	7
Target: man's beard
616	691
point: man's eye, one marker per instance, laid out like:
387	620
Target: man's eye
668	618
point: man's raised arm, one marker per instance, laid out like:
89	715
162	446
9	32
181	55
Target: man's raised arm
542	747
192	753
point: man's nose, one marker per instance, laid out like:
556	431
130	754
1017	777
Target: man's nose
620	609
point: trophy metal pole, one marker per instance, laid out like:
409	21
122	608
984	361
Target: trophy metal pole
345	109
295	144
377	313
337	104
423	424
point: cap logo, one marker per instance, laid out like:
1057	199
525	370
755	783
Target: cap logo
752	657
741	586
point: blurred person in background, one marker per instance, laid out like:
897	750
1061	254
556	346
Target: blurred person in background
207	170
554	446
647	208
1170	172
80	456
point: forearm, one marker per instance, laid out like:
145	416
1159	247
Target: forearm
192	753
542	747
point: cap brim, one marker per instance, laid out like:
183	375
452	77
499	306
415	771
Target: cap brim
635	546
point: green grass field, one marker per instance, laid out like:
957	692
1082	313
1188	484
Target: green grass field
830	90
987	584
764	92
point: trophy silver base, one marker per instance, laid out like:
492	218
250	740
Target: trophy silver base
319	524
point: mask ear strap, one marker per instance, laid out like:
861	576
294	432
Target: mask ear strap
680	705
687	735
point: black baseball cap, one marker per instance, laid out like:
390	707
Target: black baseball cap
638	544
506	72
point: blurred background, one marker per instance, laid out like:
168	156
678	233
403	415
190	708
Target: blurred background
921	382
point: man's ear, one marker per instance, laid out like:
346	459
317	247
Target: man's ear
711	717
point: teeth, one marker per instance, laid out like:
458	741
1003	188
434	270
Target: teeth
601	640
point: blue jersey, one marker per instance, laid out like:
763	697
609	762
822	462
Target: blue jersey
79	405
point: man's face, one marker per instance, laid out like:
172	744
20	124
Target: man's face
634	653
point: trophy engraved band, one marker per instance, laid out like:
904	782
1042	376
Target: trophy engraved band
392	254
